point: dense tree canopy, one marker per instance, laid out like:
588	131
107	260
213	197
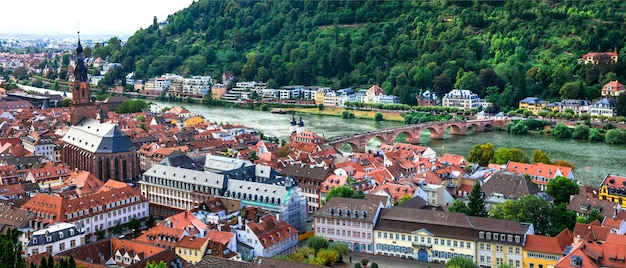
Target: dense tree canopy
561	188
481	154
498	48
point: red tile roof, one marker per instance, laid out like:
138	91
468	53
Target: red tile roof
271	231
546	244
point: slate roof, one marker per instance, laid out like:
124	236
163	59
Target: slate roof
445	224
585	204
182	161
350	208
305	171
512	186
215	262
56	232
93	136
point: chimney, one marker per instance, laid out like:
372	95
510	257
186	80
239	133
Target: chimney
277	217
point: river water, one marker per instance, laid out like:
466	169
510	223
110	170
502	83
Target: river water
594	159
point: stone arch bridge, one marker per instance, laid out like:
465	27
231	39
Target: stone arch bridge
412	132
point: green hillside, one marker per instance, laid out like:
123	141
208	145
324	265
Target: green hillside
505	50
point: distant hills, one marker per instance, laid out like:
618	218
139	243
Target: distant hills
505	50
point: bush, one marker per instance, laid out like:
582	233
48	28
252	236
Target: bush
595	135
562	131
378	116
581	132
615	136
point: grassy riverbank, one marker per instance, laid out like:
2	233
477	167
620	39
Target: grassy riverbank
361	114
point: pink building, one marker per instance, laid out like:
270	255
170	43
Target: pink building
348	220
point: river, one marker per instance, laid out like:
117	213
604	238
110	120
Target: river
600	158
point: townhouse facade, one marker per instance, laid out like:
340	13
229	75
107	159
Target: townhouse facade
604	107
613	189
349	220
462	99
309	180
437	236
543	251
54	239
267	238
533	104
612	89
91	213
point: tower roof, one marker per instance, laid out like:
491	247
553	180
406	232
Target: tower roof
293	120
300	123
80	72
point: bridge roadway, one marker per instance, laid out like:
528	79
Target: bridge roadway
413	132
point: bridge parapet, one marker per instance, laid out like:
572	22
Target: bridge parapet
359	141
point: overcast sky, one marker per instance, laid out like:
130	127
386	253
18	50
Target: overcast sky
116	17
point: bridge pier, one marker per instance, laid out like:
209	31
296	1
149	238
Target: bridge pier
454	131
436	136
412	140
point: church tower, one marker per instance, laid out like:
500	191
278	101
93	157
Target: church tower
82	103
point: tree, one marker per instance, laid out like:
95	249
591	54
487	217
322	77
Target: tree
283	151
317	243
460	262
476	202
150	221
530	208
328	255
404	199
340	247
134	225
615	136
581	132
595	135
481	154
620	106
118	229
459	206
564	163
561	189
517	155
539	156
562	218
344	191
152	264
378	116
562	131
11	255
593	215
64	103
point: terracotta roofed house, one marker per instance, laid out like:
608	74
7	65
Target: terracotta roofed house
545	251
540	173
613	88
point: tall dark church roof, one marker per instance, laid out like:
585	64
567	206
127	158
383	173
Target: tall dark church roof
80	72
93	136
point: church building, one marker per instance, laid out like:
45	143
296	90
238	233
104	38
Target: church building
91	144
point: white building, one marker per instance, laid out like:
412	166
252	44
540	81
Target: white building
39	146
462	99
197	85
290	92
604	107
267	238
54	239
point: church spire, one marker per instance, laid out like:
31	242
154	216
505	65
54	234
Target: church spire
80	72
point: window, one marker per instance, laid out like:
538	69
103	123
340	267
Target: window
488	246
498	248
462	244
481	235
73	243
489	235
62	246
517	250
49	249
378	234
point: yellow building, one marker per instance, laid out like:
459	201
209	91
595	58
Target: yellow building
543	251
319	97
193	121
437	236
191	249
614	189
533	104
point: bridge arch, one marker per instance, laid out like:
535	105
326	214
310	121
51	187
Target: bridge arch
457	129
411	137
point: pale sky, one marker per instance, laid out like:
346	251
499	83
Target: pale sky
91	17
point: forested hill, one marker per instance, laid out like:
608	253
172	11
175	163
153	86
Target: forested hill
506	50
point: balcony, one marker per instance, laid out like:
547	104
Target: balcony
422	245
